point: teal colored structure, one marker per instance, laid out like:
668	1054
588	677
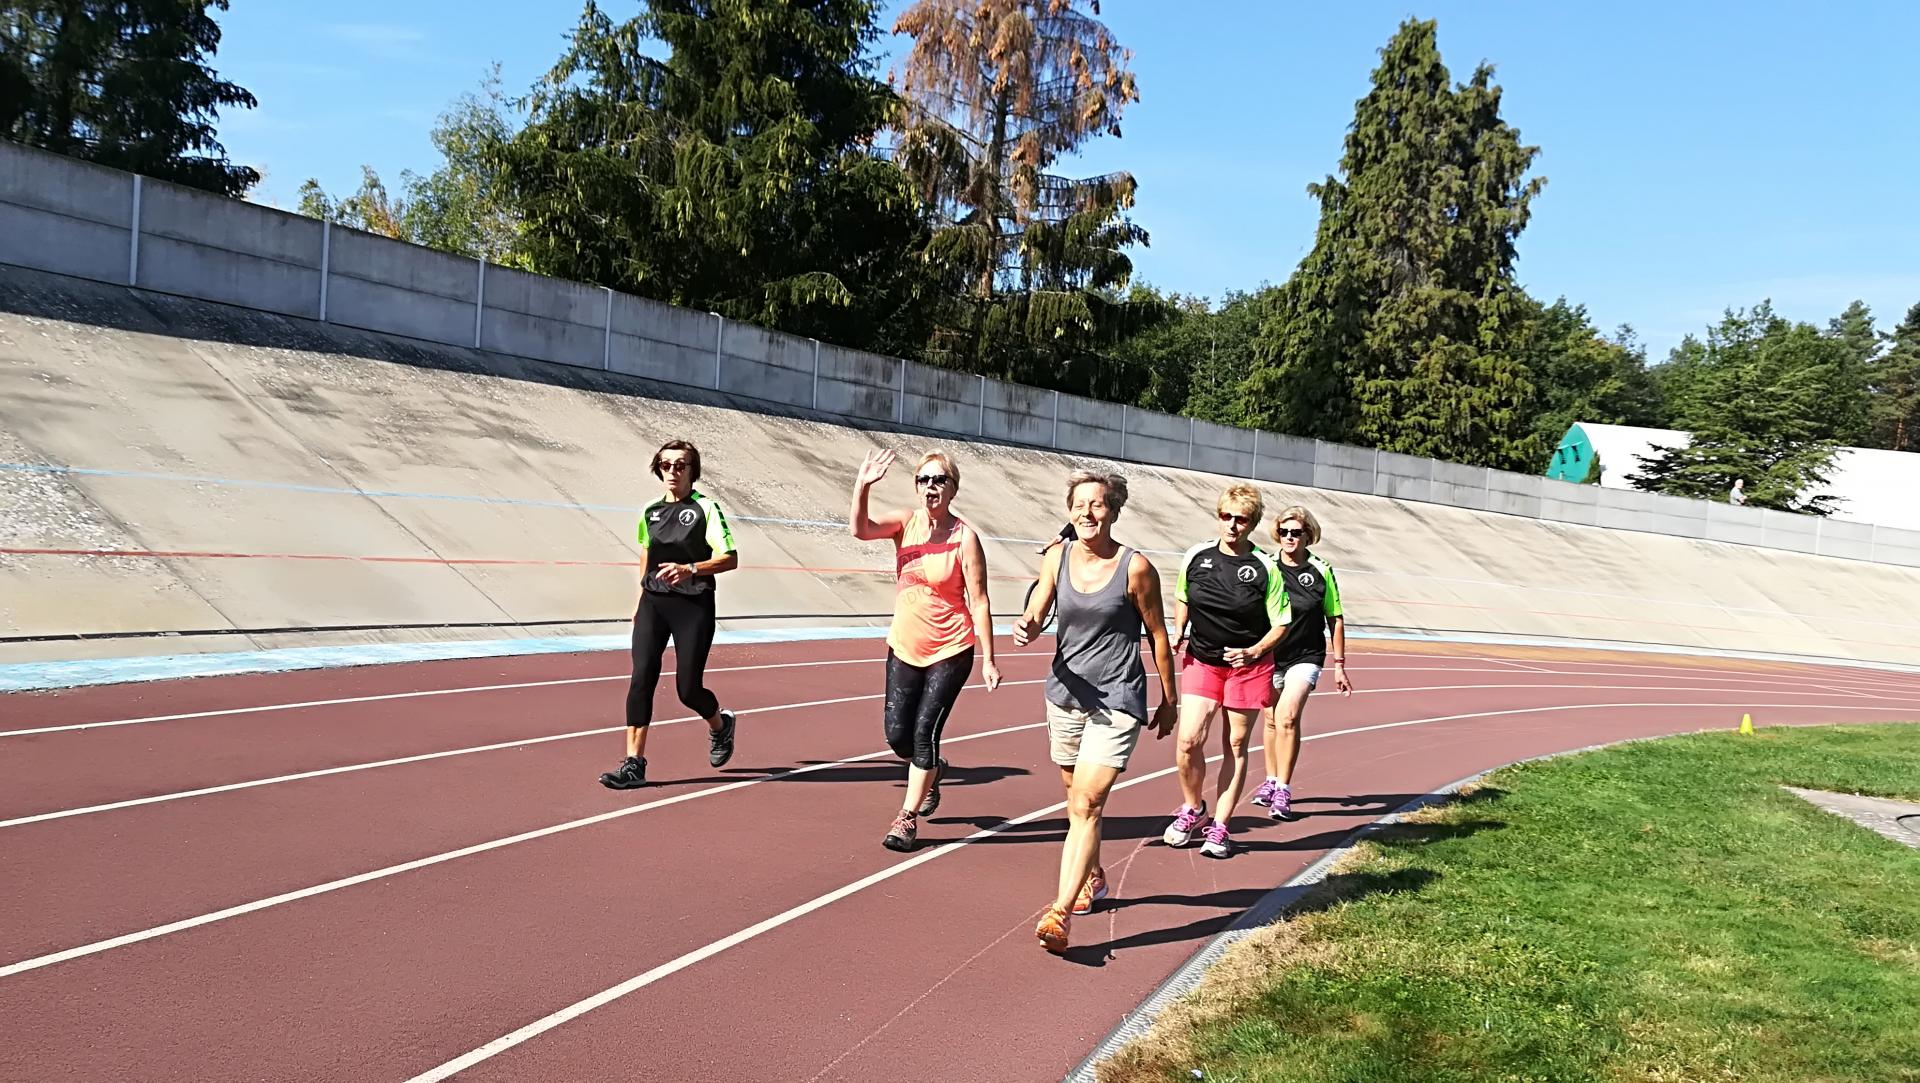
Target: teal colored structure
1573	458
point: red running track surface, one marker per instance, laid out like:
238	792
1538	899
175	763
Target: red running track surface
407	872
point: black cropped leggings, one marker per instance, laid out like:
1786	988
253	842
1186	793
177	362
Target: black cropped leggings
687	619
919	698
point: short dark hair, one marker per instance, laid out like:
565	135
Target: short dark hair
693	458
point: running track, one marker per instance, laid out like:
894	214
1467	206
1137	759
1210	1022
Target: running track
408	872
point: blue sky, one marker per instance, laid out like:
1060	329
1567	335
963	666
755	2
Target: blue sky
1698	155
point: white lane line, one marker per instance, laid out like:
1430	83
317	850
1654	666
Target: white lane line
1514	664
184	924
398	761
264	708
667	969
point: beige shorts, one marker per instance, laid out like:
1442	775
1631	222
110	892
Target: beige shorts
1102	737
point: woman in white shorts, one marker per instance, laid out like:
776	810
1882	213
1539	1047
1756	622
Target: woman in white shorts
1314	596
1104	595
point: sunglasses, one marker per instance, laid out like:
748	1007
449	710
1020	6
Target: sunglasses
674	466
1290	532
1241	520
932	479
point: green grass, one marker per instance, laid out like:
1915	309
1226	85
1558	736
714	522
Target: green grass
1655	911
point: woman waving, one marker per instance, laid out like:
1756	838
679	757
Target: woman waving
940	617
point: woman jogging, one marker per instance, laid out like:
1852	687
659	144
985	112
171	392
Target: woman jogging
1314	597
940	616
1104	594
1234	597
684	543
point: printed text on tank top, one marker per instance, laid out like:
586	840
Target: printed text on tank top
931	621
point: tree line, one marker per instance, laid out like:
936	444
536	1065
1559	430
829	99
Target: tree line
749	158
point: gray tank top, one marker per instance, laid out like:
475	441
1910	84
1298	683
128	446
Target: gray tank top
1096	658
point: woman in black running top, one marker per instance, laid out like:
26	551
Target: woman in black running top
684	543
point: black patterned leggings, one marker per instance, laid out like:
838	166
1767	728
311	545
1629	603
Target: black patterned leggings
919	698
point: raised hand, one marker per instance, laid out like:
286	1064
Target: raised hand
874	467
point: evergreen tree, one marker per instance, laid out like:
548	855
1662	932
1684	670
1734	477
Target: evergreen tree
1847	406
736	175
1585	377
1194	359
1896	389
996	92
1402	328
122	83
1755	413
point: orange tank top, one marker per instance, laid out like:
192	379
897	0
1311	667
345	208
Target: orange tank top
930	617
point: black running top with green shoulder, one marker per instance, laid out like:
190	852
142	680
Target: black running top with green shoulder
1314	596
683	532
1232	601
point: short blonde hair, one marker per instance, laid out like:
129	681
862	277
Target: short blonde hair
1114	484
946	463
1243	498
1306	520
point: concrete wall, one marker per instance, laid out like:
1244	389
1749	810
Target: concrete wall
86	221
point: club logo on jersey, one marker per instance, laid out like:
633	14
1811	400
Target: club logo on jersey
1247	573
1306	579
686	516
655	517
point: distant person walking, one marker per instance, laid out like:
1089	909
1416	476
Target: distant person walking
1313	600
684	543
1105	595
940	617
1237	602
1739	493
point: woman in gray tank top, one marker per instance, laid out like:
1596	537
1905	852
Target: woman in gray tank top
1104	595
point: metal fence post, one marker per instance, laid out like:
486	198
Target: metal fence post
983	404
1253	474
1189	443
719	331
479	300
1123	430
326	263
816	374
900	399
133	241
1056	418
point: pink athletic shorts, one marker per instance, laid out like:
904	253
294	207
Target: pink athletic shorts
1246	689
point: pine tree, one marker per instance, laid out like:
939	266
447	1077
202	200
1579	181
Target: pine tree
1896	389
1401	329
736	175
1583	376
1754	415
996	92
1847	404
122	83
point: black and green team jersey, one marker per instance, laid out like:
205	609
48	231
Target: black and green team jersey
1313	594
682	532
1231	601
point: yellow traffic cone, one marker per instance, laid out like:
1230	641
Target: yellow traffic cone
1746	724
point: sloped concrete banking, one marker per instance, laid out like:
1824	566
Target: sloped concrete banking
80	219
222	450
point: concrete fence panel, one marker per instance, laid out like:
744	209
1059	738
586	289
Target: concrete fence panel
1848	541
1403	477
1460	486
943	400
1291	460
859	384
1734	525
1222	449
1092	427
1344	468
1893	546
1154	437
1019	414
193	244
1565	502
384	285
548	319
1515	494
661	342
68	217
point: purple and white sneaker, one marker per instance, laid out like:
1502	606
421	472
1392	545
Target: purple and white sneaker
1264	794
1281	805
1218	843
1187	822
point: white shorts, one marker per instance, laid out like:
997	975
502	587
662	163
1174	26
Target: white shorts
1299	671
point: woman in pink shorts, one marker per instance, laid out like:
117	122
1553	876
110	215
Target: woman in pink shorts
1236	602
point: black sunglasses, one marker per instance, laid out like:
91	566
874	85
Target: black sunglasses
932	479
1238	519
1290	532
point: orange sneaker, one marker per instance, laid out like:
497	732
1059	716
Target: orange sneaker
1052	930
1091	892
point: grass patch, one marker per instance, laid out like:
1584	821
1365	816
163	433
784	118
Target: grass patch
1651	912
